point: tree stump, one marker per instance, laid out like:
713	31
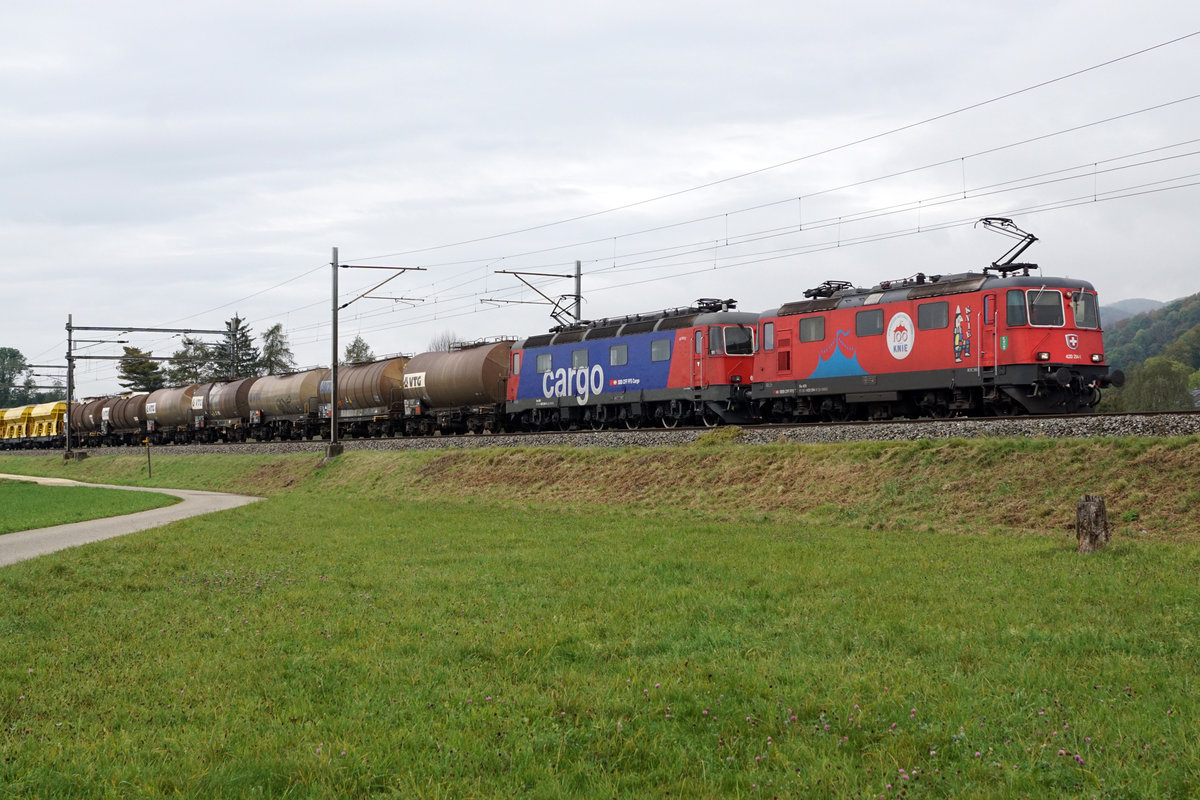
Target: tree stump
1091	523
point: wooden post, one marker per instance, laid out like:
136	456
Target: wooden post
1091	523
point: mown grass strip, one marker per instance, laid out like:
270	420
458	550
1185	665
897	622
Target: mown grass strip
26	506
385	626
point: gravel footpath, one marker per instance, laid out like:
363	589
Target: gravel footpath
21	545
1078	427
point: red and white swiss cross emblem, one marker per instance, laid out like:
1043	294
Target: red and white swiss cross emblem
1072	341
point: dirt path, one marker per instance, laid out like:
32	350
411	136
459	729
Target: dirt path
21	545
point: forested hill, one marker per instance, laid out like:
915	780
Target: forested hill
1172	331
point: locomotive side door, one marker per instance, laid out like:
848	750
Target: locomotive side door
988	339
697	358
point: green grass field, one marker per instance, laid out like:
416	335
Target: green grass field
705	621
24	505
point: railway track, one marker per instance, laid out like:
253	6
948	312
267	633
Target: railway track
1154	424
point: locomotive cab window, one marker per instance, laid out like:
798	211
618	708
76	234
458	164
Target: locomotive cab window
579	359
869	323
716	341
618	355
1083	309
1045	308
543	363
933	316
660	350
812	329
1015	308
739	340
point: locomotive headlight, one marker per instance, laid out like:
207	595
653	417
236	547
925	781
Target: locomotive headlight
1097	358
1043	356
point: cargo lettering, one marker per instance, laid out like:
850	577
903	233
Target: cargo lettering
414	380
579	383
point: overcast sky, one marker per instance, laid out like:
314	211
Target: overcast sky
170	165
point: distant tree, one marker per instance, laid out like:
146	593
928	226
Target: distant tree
277	355
357	352
1194	380
1160	384
1186	348
191	363
236	356
12	366
443	340
136	372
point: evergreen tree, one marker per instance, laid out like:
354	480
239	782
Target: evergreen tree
277	355
191	363
236	356
137	372
357	352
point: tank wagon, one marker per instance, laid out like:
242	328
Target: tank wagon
457	391
286	406
370	398
227	411
169	414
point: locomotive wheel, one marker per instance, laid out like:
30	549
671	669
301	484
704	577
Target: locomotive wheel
597	422
633	423
706	415
669	421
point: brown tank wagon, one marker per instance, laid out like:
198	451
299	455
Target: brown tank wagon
376	385
230	400
292	395
128	413
85	416
169	411
456	390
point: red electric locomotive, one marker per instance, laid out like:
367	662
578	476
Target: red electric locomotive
990	343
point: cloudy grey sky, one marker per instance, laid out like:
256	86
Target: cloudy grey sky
170	165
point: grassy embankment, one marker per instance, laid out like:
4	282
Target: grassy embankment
874	620
25	505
